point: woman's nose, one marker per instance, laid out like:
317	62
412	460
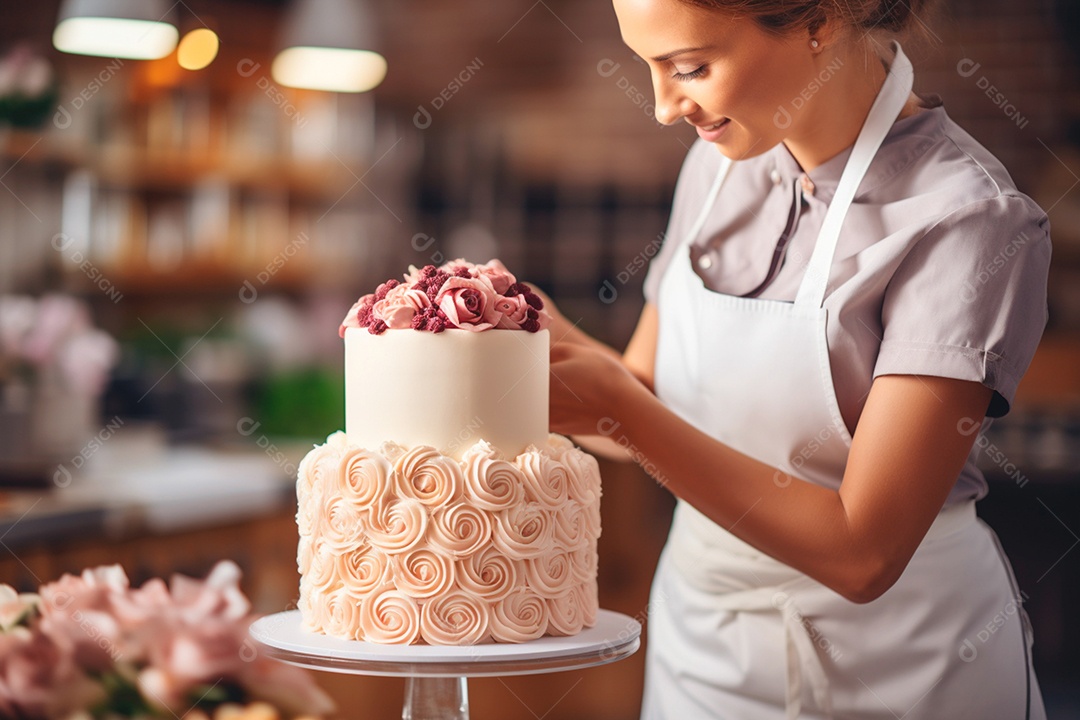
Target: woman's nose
671	104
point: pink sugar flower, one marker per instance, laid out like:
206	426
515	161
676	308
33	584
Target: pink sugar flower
400	306
501	278
514	310
469	303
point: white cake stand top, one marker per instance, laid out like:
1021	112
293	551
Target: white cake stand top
614	637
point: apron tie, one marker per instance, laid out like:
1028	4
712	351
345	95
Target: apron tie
739	578
803	660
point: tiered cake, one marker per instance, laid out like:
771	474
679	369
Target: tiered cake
446	513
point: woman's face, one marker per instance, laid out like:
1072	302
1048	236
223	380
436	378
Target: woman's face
741	87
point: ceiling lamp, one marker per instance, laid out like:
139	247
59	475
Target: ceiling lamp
128	29
197	49
328	47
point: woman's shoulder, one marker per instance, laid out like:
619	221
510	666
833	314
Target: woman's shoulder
945	169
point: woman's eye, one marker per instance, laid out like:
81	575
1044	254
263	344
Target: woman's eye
687	76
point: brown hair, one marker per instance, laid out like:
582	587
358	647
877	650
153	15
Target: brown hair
786	16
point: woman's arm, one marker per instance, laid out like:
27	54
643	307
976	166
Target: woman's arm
905	456
640	355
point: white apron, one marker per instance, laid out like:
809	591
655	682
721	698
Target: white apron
735	634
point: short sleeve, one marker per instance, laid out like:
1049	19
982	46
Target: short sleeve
694	178
968	301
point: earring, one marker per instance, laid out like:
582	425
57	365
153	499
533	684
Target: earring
814	43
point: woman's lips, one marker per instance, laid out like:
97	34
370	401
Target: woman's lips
712	133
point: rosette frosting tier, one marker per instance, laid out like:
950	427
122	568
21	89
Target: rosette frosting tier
403	545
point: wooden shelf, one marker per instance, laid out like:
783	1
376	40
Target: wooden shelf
192	278
23	146
138	168
135	168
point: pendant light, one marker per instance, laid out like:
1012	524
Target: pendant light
128	29
328	46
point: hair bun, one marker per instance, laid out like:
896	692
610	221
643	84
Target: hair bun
891	15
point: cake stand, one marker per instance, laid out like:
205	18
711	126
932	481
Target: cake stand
436	677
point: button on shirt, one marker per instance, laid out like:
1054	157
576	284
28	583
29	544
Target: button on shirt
940	268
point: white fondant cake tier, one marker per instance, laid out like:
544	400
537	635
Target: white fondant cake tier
402	545
447	390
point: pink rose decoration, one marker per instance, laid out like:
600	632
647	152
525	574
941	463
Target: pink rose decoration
457	294
469	303
400	306
501	278
514	311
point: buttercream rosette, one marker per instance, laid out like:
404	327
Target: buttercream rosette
362	570
566	616
427	476
550	574
547	481
397	525
389	616
519	617
460	530
491	483
363	477
423	573
454	618
342	524
342	615
523	531
489	575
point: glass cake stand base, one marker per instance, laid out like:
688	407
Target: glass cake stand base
437	687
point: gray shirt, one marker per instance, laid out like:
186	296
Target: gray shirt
940	269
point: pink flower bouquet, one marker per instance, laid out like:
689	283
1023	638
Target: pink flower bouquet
92	646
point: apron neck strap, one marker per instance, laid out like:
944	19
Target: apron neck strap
726	164
883	113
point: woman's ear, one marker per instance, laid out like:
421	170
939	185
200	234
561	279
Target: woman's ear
825	31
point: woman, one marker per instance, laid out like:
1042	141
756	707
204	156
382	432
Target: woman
849	286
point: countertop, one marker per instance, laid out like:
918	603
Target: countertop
136	483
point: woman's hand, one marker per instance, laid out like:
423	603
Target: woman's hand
587	385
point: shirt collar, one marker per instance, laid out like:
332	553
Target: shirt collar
906	140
